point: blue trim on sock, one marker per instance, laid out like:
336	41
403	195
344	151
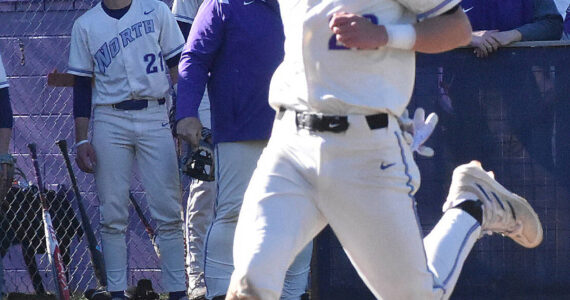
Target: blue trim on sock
414	206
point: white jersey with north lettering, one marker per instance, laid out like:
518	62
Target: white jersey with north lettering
128	61
3	80
186	10
313	74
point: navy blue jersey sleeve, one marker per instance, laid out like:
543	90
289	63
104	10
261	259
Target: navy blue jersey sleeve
6	117
546	25
82	97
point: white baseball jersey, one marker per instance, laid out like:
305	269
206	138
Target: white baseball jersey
186	10
126	56
313	77
3	80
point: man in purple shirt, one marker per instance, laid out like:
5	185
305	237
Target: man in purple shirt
234	46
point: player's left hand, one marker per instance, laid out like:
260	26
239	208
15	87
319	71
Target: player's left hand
417	131
190	130
354	31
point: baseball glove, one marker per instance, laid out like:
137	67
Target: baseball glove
6	174
199	163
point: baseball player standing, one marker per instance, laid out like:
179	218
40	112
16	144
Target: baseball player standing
6	160
202	197
336	156
234	48
124	46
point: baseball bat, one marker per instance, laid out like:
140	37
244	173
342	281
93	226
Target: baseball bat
52	246
94	249
145	222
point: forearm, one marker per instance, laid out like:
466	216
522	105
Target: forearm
546	23
5	135
549	28
443	33
81	128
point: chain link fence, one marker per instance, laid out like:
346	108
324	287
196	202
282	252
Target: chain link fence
34	41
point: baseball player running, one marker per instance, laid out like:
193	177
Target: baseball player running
124	46
6	160
202	197
336	156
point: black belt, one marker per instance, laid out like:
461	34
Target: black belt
319	122
135	104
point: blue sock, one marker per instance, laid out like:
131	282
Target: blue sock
474	208
118	294
176	295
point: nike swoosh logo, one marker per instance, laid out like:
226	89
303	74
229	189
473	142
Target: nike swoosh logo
468	9
334	125
164	124
148	12
248	2
384	166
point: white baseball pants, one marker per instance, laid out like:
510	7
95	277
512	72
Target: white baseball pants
119	138
362	183
199	216
235	163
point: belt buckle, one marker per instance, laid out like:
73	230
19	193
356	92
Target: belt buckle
307	120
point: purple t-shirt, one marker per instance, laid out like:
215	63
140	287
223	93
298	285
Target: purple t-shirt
234	47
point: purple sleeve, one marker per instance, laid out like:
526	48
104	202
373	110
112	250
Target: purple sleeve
82	94
198	56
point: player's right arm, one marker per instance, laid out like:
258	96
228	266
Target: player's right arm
81	65
442	33
203	42
432	35
82	92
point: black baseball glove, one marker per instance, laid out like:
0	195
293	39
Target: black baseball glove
199	163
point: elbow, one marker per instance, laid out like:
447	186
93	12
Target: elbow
463	29
465	35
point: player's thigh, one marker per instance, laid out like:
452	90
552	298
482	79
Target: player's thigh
235	163
368	200
115	155
158	166
278	218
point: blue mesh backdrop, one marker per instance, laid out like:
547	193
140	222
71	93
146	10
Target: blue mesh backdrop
509	111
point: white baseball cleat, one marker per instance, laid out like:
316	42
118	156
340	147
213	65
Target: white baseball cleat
503	211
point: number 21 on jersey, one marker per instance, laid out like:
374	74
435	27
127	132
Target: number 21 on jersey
151	60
